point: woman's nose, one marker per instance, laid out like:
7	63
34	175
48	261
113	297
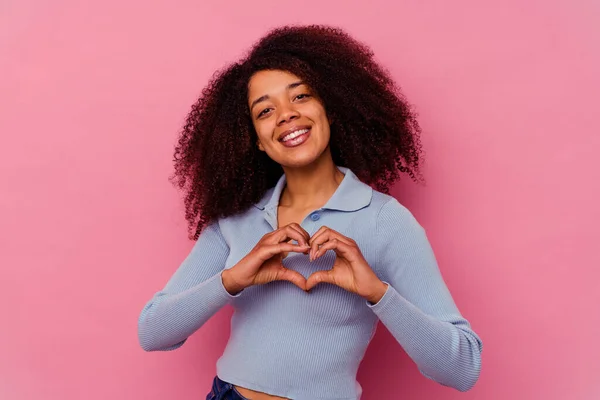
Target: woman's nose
287	113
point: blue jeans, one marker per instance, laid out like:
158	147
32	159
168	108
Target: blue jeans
222	390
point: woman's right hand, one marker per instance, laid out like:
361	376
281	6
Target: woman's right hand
264	262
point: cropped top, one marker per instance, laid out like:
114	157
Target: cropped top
308	346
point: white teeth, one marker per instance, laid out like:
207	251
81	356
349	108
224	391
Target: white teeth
294	135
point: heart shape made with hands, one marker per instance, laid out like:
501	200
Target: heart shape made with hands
350	270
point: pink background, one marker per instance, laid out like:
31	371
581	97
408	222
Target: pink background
93	97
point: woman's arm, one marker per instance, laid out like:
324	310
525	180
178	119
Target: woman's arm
193	294
417	307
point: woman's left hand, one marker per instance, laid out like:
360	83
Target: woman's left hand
350	270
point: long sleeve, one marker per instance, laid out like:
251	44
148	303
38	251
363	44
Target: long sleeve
418	308
194	293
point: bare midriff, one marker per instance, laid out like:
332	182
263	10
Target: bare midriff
253	395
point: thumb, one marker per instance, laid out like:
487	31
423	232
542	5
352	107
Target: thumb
319	277
292	276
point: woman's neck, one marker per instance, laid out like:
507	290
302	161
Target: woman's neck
310	186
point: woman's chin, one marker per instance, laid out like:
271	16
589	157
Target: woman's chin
299	161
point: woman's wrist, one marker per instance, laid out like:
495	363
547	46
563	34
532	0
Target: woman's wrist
230	284
378	293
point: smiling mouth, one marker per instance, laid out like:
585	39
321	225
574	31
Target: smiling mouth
295	138
293	135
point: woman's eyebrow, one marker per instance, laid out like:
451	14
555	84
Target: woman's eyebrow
266	96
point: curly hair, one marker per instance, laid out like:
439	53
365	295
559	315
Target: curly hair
374	130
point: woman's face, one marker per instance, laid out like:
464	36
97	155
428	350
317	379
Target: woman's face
289	118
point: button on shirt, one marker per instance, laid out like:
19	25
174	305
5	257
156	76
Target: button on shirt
304	346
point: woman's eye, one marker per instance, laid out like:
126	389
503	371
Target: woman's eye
262	112
303	95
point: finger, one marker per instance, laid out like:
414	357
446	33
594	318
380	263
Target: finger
341	249
288	232
327	232
302	231
317	233
269	250
319	277
299	228
324	237
314	245
330	245
292	276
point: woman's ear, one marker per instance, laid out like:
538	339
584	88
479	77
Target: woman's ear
260	146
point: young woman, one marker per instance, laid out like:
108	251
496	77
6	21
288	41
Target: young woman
286	159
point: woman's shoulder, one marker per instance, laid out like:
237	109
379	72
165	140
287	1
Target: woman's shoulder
244	221
381	201
390	211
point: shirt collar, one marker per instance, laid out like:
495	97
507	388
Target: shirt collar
351	195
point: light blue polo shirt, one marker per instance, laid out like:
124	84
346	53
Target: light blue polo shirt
308	346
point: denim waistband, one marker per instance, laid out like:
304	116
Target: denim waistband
222	390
